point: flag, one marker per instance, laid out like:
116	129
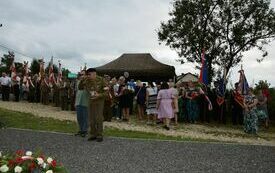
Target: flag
12	67
13	71
41	69
242	89
203	73
26	74
51	73
59	76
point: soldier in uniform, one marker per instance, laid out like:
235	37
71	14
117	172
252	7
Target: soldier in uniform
56	94
45	90
65	95
96	86
107	111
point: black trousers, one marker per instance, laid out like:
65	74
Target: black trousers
237	115
16	92
5	93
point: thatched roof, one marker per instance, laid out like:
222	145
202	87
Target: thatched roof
140	66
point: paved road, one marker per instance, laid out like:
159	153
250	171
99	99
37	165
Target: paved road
129	155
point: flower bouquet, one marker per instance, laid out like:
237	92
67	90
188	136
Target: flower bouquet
28	162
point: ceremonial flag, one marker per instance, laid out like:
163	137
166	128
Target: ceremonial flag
242	88
59	77
203	73
51	73
203	79
13	71
26	74
41	70
12	67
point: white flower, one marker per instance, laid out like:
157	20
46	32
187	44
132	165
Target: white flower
44	165
18	169
49	160
28	153
49	171
40	161
4	168
26	157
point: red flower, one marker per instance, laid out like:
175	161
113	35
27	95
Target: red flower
19	160
32	166
54	163
20	152
11	163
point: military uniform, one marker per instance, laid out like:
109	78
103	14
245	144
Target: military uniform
45	90
96	104
64	94
56	95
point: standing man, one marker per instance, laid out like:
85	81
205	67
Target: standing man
82	104
16	88
95	85
5	85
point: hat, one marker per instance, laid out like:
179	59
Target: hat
91	70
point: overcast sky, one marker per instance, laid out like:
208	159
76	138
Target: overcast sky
98	31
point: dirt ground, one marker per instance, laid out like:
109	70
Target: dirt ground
220	133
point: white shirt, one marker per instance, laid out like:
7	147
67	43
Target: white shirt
152	91
6	81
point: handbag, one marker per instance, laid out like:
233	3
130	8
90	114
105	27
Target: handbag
137	94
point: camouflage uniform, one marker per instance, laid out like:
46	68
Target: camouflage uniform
96	104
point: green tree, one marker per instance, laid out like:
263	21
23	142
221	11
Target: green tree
65	72
6	62
35	66
262	84
224	28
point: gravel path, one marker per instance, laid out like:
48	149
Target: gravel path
196	131
128	155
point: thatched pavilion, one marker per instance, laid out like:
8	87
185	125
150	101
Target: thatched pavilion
140	66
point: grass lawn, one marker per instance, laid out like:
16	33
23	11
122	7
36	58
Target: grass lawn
20	120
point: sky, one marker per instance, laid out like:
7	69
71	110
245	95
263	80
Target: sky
98	31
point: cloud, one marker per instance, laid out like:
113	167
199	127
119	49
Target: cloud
96	32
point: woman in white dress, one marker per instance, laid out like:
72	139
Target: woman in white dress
151	102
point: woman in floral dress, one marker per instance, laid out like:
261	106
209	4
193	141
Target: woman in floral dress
191	95
164	105
250	113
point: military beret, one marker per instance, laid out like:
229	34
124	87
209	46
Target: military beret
91	70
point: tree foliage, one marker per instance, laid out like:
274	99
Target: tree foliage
35	66
6	62
262	84
224	28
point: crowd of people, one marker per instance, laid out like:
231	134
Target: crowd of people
97	99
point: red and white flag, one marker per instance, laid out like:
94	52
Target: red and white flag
59	77
51	73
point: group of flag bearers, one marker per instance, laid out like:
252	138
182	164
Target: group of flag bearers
92	93
248	109
42	87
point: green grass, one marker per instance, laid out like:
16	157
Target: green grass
13	119
21	120
28	121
